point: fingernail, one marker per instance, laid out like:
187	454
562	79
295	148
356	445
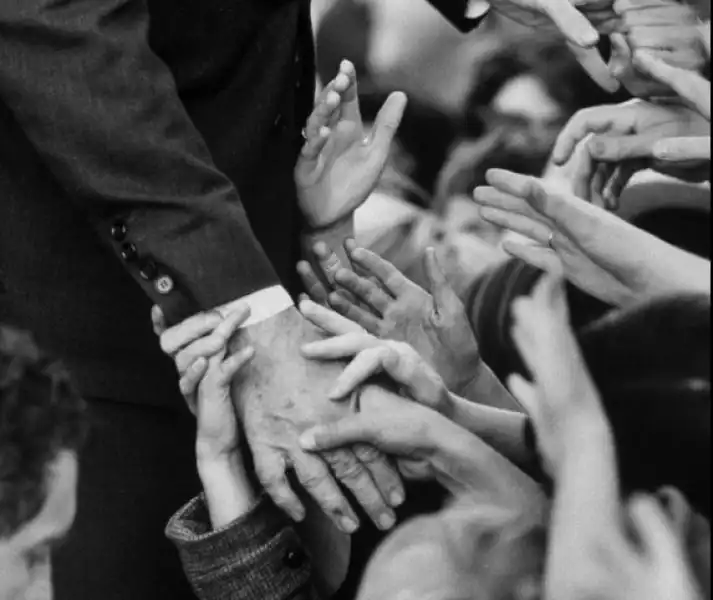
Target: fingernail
308	441
660	151
333	98
396	499
387	521
348	525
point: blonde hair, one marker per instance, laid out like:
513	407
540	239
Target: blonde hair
469	551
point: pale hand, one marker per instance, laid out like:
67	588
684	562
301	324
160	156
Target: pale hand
600	253
436	324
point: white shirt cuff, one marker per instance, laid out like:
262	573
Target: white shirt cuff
264	304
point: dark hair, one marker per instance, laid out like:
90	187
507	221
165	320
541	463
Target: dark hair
651	364
40	415
550	61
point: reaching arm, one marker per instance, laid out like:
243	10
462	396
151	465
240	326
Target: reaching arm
103	112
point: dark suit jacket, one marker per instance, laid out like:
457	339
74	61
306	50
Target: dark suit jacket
146	156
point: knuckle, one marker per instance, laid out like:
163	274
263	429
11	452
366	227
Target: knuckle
344	465
369	455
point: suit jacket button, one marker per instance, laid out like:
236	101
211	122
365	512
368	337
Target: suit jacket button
164	285
118	231
129	252
294	559
148	270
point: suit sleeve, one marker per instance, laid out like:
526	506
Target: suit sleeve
466	15
103	113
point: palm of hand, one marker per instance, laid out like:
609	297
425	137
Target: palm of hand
445	341
341	179
665	120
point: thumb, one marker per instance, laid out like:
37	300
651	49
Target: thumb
439	287
683	149
575	27
387	124
593	63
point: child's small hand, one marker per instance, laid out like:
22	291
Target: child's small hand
198	346
338	168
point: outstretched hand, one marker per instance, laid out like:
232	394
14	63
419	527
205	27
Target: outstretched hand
601	254
339	165
393	307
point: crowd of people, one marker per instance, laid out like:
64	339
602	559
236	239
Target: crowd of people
478	370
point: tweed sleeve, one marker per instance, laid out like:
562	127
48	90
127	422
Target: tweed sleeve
256	556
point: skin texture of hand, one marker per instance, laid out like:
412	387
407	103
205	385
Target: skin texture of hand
600	253
206	386
280	395
338	167
624	141
666	29
578	22
372	356
591	554
273	425
459	460
398	309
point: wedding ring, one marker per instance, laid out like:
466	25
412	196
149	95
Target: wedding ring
551	240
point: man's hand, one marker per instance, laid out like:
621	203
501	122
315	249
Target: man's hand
622	140
667	30
339	168
601	254
578	21
280	395
435	325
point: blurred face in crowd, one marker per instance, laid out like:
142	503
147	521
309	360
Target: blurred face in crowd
25	567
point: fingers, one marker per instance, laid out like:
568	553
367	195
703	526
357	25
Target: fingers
372	359
620	179
270	470
654	529
188	331
368	292
385	475
357	314
345	432
315	144
328	260
523	225
591	120
617	149
390	277
350	95
525	394
343	346
327	104
445	299
386	125
572	24
203	348
354	475
158	320
537	256
193	375
592	62
315	288
689	85
673	150
318	482
232	365
328	320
